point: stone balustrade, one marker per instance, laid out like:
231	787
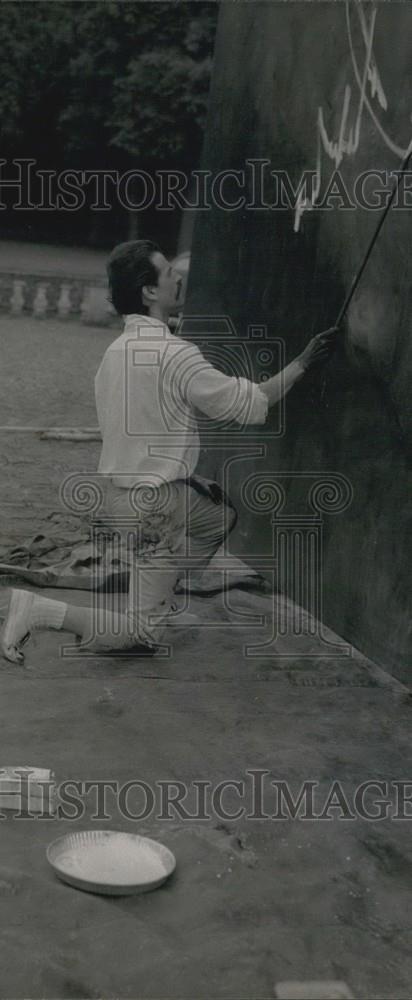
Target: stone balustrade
51	295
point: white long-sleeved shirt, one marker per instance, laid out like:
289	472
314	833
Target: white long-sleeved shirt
148	386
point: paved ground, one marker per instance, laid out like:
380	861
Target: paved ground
253	901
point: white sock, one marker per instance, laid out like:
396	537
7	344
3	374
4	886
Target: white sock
46	613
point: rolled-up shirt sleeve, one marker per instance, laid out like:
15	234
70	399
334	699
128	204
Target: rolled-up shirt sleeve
221	397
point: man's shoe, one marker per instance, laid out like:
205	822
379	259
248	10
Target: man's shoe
17	628
181	618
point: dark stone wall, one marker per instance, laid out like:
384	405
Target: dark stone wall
276	65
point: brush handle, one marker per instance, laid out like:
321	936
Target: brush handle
357	278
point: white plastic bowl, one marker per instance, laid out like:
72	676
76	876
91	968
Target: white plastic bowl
110	862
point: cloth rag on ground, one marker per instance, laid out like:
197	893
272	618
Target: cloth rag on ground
73	552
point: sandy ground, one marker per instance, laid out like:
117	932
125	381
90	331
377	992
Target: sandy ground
46	380
253	901
40	258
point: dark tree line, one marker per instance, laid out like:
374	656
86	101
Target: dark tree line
103	85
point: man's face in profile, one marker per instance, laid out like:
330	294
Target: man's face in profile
169	289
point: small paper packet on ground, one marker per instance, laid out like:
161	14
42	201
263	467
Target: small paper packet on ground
27	789
330	990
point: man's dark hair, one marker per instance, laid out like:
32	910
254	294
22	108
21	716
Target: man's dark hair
129	268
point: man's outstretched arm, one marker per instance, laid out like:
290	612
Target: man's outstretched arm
226	398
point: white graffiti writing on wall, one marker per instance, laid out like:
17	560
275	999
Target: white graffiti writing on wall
349	136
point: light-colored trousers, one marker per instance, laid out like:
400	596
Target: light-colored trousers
169	530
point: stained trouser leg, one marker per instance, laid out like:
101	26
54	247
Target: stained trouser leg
151	533
209	522
182	533
156	562
194	531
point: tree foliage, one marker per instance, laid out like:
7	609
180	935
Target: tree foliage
103	83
